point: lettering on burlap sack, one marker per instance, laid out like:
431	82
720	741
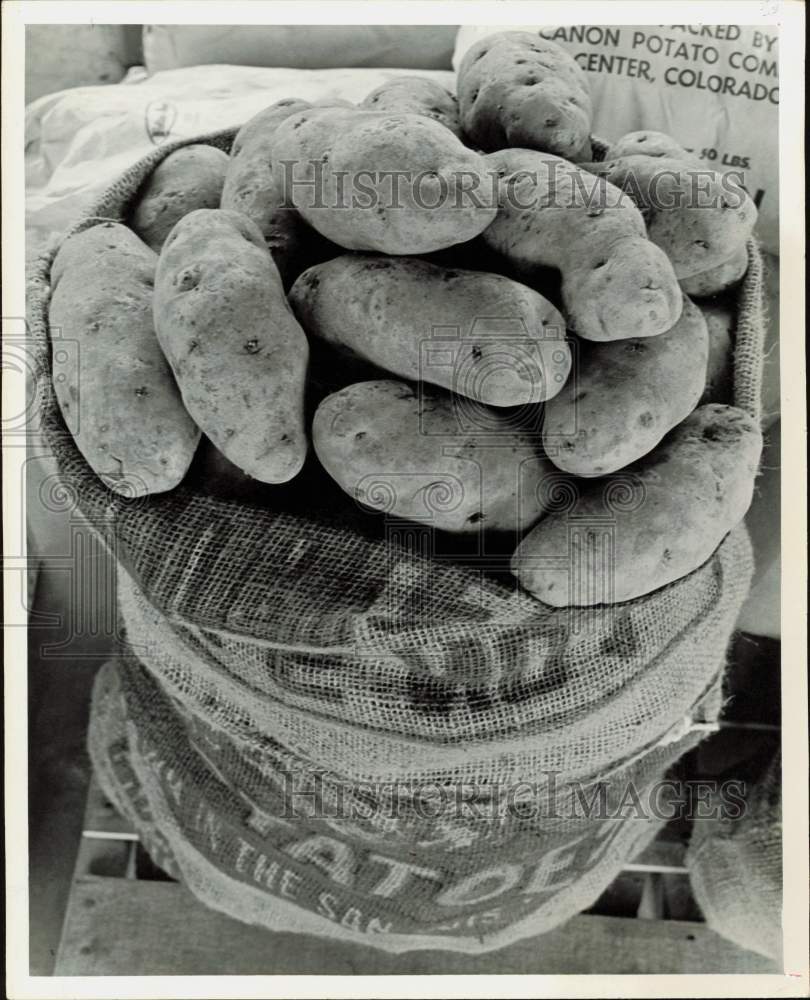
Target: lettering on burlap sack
277	838
367	890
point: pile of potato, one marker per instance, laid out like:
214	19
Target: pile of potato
488	321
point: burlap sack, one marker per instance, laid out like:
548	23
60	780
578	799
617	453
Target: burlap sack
735	867
348	733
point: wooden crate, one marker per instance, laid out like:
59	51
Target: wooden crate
126	918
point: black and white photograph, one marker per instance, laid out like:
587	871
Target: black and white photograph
400	578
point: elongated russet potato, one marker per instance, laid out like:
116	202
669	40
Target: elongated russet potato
396	183
189	178
698	217
417	95
114	387
624	396
655	522
424	455
516	89
251	187
720	322
615	283
715	281
477	334
237	352
647	142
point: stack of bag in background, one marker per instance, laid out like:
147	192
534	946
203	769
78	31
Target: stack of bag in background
735	866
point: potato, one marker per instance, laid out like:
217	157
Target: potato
716	280
479	335
113	385
250	187
518	89
623	397
421	454
720	323
615	283
649	143
90	249
238	354
189	178
416	95
698	217
396	183
659	520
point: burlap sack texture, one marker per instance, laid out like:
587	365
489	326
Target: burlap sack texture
735	868
273	645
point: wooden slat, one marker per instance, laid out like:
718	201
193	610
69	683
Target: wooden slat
651	904
158	928
621	898
107	840
101	817
660	856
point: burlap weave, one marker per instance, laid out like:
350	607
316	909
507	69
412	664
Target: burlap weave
256	835
270	644
735	867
